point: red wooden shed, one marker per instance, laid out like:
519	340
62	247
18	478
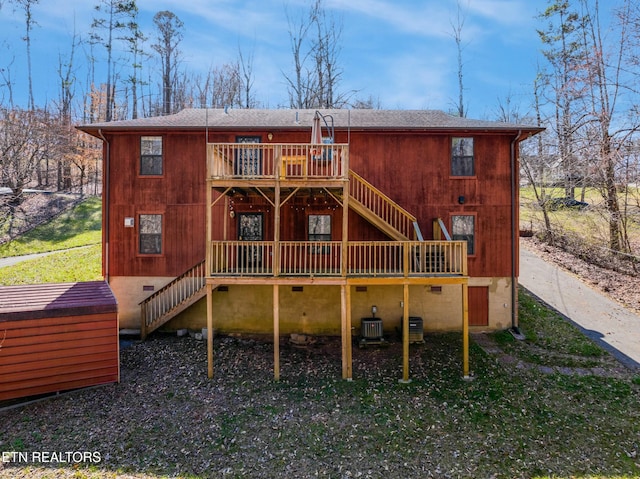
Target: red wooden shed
56	337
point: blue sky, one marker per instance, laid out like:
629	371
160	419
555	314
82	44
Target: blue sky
400	52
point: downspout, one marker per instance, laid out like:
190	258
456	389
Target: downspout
105	208
514	239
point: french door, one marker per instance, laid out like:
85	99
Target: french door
248	160
250	229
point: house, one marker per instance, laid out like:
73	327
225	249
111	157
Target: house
314	222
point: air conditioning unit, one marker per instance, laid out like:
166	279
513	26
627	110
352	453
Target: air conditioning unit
416	329
371	328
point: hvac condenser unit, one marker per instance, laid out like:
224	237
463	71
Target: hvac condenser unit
371	328
416	329
371	332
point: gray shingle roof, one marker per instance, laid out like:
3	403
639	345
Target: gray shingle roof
192	118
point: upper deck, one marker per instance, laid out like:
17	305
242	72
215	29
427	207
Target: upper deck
277	162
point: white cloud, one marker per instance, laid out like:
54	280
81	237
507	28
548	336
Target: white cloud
427	19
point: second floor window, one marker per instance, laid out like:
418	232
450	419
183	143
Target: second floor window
151	155
462	161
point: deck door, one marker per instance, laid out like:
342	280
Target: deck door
250	229
248	160
478	306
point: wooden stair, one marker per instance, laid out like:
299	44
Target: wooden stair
381	211
172	299
188	288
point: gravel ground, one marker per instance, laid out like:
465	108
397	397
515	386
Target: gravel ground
167	419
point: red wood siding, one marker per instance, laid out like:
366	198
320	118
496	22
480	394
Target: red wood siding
412	168
57	337
179	195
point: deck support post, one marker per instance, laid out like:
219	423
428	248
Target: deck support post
465	330
276	230
405	334
345	229
210	330
347	363
276	332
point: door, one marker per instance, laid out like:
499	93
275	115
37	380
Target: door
478	306
248	161
250	228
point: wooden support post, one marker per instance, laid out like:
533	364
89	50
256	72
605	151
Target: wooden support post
276	231
210	330
225	223
276	332
345	300
405	334
345	228
208	228
465	330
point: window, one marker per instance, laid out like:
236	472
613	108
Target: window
319	227
320	230
462	162
150	241
463	228
151	155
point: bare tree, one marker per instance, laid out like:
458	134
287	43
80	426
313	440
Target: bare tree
24	143
315	85
562	48
326	51
116	16
222	86
247	79
135	40
8	83
608	130
169	35
457	36
534	162
299	86
26	6
369	103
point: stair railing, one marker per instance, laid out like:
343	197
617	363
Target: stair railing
381	205
155	308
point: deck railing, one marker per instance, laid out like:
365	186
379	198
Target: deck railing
274	160
324	258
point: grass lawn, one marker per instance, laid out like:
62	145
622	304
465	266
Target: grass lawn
69	266
515	419
80	226
592	219
74	238
554	406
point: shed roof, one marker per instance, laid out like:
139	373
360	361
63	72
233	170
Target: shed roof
192	118
56	300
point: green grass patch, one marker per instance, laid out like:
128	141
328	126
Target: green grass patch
80	226
551	340
79	264
551	331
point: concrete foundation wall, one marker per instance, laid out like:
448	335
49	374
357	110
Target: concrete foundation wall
130	291
316	309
